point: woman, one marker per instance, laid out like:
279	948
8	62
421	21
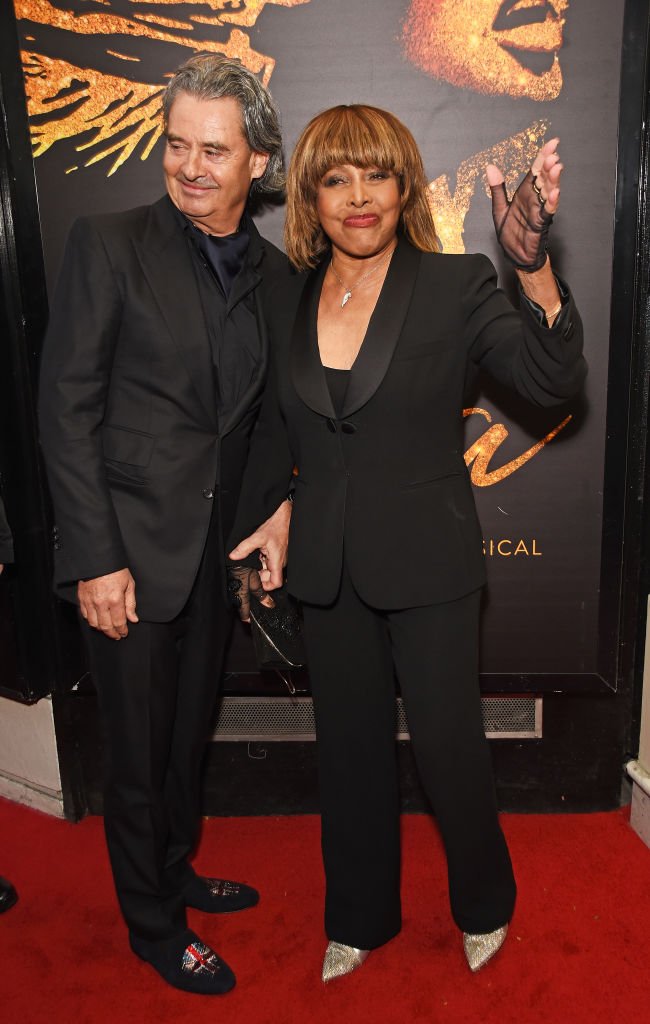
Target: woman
365	397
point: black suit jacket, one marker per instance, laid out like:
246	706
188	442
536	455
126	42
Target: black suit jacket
128	413
387	479
6	540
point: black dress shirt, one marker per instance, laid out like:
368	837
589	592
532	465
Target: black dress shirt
227	275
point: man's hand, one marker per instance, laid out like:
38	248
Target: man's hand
108	602
272	539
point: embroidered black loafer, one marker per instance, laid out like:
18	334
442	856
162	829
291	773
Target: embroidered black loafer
187	963
8	895
218	896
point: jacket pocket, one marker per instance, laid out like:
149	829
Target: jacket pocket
414	484
132	447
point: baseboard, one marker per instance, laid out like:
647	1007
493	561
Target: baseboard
38	797
573	768
639	775
640	810
640	813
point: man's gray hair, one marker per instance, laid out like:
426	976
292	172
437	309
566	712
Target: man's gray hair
211	77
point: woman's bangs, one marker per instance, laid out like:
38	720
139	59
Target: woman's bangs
348	140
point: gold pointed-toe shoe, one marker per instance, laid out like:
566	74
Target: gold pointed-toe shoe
481	948
340	959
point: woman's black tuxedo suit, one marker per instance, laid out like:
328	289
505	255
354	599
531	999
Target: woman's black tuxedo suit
385	553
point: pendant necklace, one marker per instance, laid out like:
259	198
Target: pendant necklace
349	289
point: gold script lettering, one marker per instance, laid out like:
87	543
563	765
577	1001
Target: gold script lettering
481	452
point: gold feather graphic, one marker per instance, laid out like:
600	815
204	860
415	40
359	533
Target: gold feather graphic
65	101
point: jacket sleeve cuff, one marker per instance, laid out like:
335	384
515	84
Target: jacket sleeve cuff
539	313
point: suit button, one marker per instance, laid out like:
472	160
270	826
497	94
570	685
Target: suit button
569	331
331	425
348	428
208	493
57	546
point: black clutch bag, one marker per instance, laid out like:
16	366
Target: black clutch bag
277	633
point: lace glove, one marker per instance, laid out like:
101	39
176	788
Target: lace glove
244	582
522	223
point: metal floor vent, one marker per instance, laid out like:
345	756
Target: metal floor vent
292	718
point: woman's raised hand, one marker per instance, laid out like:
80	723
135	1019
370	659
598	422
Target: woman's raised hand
522	223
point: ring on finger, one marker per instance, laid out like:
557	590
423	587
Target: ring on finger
537	191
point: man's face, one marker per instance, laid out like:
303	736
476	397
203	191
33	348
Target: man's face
494	46
208	163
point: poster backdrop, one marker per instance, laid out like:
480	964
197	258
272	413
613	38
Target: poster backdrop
476	81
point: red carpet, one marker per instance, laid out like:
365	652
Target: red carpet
575	952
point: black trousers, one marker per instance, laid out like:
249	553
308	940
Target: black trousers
353	652
157	692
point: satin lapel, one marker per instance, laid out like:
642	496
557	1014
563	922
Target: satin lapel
306	368
167	263
384	329
257	382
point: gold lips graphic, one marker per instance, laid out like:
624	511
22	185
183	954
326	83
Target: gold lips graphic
540	37
496	47
117	114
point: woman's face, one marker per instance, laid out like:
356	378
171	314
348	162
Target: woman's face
359	209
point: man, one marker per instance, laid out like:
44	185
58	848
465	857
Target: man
6	540
152	371
8	895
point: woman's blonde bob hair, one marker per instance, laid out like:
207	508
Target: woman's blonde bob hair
364	137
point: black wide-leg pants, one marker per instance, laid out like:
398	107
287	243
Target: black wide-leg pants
354	651
157	692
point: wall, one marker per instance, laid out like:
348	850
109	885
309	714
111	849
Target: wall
29	766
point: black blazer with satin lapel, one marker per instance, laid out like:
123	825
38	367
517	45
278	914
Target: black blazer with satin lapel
387	479
127	408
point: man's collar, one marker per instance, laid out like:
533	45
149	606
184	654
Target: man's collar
247	224
256	250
